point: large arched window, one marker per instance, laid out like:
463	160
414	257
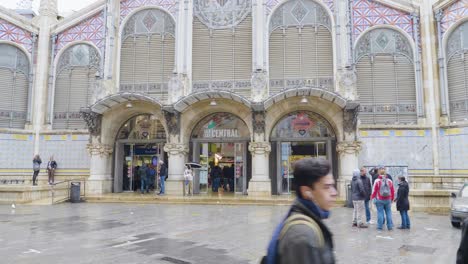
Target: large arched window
457	73
14	83
74	85
148	53
222	46
300	47
386	84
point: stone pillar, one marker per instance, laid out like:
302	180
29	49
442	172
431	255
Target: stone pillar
259	31
100	179
48	16
348	161
177	158
260	184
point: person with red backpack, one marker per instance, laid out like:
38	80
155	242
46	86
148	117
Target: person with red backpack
384	194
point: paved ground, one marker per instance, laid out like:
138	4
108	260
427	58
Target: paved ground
152	233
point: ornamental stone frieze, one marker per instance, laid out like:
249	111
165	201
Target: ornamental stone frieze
347	82
350	117
93	121
259	82
260	148
176	149
95	149
172	118
349	147
258	120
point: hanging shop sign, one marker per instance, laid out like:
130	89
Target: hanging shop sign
221	133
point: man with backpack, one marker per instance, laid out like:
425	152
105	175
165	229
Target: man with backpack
384	193
302	237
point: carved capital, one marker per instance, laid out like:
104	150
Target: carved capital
259	83
350	117
93	121
176	149
260	148
95	149
172	118
258	119
349	147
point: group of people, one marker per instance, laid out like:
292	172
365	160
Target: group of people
51	167
146	173
222	177
382	192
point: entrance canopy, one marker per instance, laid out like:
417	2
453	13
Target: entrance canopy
106	103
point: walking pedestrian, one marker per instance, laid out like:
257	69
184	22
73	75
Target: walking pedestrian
402	202
188	181
384	194
358	196
143	172
162	177
368	188
302	237
36	168
462	253
51	167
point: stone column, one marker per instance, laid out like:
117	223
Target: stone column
48	16
348	161
100	179
177	157
260	184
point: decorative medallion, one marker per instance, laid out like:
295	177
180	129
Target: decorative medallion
299	11
382	40
149	21
220	14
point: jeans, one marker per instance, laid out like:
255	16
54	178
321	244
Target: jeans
35	177
366	205
384	207
162	179
216	183
405	222
144	185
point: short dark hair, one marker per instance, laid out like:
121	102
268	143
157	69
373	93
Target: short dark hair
402	178
308	171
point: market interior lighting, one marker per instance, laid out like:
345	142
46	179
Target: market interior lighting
304	100
213	103
129	105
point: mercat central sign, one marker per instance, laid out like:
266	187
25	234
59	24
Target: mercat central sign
221	133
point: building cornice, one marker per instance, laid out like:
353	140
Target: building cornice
442	4
78	17
18	20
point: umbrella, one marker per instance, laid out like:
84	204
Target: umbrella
193	165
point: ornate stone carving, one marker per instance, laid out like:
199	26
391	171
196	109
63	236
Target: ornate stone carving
259	82
350	117
99	149
259	148
383	40
48	8
347	82
149	21
219	14
172	118
79	55
176	149
258	118
176	86
93	121
349	147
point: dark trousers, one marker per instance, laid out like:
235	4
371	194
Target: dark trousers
51	175
35	177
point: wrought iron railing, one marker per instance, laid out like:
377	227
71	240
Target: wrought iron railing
58	184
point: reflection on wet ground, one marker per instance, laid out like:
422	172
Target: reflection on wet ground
183	234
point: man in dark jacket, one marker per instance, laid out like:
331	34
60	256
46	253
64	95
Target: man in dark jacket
462	253
303	237
368	187
358	196
402	203
162	177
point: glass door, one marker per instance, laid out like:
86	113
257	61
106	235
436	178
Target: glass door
239	168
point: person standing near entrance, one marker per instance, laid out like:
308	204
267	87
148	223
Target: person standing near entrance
368	188
384	193
402	202
188	181
162	177
143	171
302	237
51	166
358	196
36	168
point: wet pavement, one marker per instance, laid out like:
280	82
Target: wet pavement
183	234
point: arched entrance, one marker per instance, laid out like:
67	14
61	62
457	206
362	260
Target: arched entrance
298	135
219	143
140	140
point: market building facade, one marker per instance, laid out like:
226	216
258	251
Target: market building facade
250	85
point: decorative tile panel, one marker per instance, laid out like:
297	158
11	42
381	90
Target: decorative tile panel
271	4
15	34
68	150
453	13
367	14
91	29
127	6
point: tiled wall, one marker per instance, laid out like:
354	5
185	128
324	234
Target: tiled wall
69	150
453	150
16	151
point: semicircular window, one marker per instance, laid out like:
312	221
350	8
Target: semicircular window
142	127
302	124
14	84
221	126
74	85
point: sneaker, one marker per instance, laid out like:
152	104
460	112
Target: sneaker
401	227
370	222
363	226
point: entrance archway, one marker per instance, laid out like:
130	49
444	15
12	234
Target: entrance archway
298	135
219	143
140	140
